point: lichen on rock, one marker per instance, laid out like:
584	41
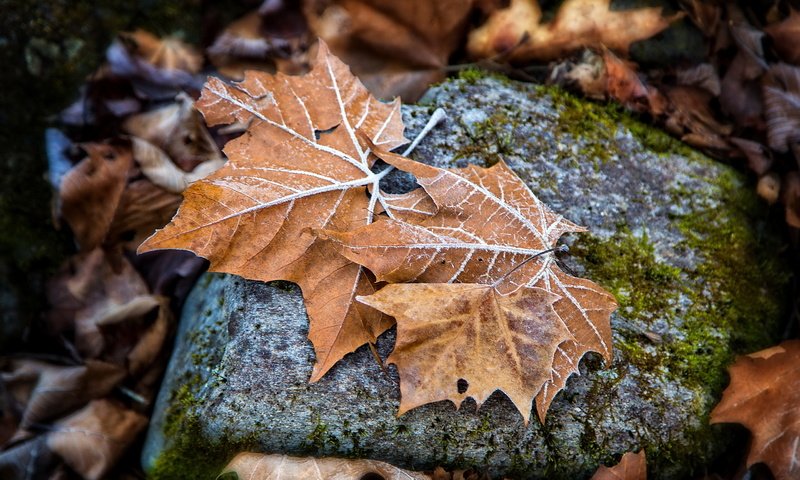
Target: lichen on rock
680	240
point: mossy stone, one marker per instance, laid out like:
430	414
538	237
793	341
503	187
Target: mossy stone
681	241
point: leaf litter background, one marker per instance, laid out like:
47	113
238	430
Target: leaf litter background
77	395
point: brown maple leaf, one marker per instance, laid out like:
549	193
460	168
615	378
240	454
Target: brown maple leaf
489	226
517	34
764	397
462	332
632	466
299	166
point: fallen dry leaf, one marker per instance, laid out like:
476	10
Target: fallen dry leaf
300	166
488	226
44	391
759	157
92	440
276	39
624	85
144	207
159	168
167	62
790	196
786	37
178	130
632	466
764	396
31	460
395	48
91	192
105	289
517	33
461	332
740	89
781	90
259	466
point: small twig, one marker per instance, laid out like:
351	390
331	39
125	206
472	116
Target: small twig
438	115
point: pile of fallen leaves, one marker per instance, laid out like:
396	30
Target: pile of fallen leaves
741	104
311	210
133	142
298	200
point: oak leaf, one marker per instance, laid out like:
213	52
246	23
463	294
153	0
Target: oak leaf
489	226
632	466
303	164
460	332
764	396
259	466
517	33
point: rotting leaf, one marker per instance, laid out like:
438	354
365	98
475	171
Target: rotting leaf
254	217
764	396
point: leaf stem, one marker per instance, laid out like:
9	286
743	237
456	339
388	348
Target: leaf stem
560	248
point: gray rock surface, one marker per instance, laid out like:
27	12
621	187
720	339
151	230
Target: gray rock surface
679	239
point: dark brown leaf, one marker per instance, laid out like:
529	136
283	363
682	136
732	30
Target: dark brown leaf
632	466
92	440
786	37
764	396
395	48
91	192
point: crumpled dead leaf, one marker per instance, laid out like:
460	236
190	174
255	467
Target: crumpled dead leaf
159	168
632	466
92	439
91	192
259	466
395	48
43	391
786	37
517	33
764	396
163	64
31	460
144	207
270	39
178	130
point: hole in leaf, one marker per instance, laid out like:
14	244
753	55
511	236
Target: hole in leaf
320	133
371	476
462	385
